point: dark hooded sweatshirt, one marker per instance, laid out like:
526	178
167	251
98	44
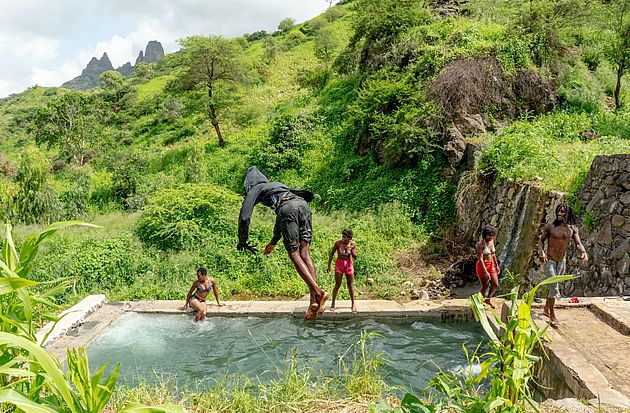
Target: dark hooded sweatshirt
258	189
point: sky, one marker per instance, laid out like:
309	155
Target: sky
48	42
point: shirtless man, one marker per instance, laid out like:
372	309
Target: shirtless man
293	226
557	235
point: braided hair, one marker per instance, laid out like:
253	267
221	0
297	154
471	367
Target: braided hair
572	218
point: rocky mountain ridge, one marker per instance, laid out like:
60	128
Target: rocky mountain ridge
89	77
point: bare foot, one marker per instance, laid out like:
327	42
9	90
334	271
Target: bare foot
332	309
553	322
489	303
546	313
322	303
311	313
354	308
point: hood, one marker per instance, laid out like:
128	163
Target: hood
254	177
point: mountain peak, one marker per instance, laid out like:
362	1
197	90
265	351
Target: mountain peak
89	77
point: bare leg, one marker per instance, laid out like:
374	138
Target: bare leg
201	309
320	295
494	284
484	286
350	282
305	254
549	307
338	277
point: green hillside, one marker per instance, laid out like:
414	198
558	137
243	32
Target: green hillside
355	105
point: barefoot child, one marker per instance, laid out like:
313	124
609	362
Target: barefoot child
487	266
346	252
197	294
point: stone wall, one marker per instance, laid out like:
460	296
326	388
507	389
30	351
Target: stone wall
605	230
517	211
520	211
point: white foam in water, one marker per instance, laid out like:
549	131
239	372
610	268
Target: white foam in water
260	347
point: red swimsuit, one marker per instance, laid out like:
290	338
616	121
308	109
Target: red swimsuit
343	265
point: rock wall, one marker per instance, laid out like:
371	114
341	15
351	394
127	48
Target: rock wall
517	211
520	211
605	230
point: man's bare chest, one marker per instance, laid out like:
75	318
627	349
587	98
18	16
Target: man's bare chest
561	233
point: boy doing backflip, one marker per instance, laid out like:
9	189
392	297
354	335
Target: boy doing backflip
293	225
557	235
346	250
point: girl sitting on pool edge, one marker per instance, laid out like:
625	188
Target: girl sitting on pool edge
197	294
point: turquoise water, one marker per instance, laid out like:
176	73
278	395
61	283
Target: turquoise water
152	346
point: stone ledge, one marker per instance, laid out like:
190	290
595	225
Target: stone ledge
70	319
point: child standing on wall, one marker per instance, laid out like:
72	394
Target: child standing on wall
346	252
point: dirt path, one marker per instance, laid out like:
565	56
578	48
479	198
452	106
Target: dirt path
603	346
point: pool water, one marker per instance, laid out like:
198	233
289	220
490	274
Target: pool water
150	347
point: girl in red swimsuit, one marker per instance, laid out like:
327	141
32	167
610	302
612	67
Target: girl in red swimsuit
487	267
346	252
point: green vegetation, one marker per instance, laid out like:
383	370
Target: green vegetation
31	380
508	367
356	105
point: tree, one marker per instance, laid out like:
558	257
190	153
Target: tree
619	48
286	24
378	24
114	88
211	62
325	44
72	123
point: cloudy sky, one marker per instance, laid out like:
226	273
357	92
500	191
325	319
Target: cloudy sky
48	42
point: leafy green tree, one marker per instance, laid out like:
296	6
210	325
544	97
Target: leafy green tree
71	122
115	88
379	23
325	44
271	49
286	24
548	24
213	63
35	200
618	50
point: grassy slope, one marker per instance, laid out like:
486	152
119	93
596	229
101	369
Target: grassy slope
380	235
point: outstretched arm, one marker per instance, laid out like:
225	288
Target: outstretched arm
244	217
188	296
215	291
541	243
579	246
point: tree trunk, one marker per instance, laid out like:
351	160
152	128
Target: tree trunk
618	88
215	123
213	116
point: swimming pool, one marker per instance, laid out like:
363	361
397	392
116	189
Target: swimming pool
151	346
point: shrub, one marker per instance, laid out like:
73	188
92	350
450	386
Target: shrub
288	140
392	118
185	216
36	200
579	90
93	265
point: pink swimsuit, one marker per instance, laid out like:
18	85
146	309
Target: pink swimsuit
343	265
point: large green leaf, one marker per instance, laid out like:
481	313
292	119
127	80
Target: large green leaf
56	380
11	284
23	403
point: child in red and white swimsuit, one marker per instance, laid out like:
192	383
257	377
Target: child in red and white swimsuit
346	252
